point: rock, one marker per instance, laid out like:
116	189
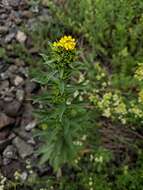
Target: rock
31	141
6	142
4	134
8	99
11	168
27	114
6	161
27	14
12	108
19	62
10	152
23	148
23	71
30	86
4	76
45	3
3	16
12	3
3	29
5	2
5	120
30	125
20	95
9	37
21	37
18	80
3	66
4	85
20	131
12	69
0	161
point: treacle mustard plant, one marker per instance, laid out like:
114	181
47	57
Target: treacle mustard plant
62	112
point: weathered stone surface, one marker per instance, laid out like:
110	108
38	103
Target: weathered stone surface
5	120
10	152
21	37
12	108
20	95
6	142
3	29
18	80
30	86
23	148
9	37
30	125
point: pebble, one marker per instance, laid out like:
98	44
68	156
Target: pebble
4	143
12	108
23	148
21	37
5	120
30	86
30	125
9	37
3	29
10	152
18	80
20	95
4	76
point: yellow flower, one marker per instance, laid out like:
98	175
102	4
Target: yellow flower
66	42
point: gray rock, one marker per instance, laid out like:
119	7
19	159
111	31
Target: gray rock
30	86
5	2
19	62
27	113
4	143
23	148
8	99
20	131
5	120
23	71
4	76
3	29
6	161
9	37
10	152
13	69
18	80
30	125
4	85
20	95
12	108
14	3
21	37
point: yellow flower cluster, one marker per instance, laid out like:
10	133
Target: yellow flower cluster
111	105
139	72
66	42
136	111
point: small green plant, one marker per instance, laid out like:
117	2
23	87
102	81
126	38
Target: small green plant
63	116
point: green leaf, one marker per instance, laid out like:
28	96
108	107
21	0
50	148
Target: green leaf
48	61
61	87
62	109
